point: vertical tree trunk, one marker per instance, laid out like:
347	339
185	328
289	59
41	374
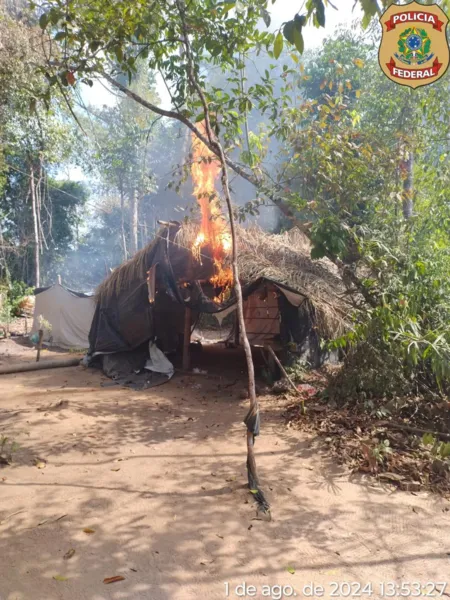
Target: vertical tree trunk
37	270
145	231
4	269
122	224
134	221
252	420
408	190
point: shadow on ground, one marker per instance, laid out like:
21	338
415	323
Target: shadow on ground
159	477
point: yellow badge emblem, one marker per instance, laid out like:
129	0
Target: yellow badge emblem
414	50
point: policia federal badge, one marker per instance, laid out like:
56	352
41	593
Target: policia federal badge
414	50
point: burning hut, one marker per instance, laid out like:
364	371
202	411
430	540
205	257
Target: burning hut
290	299
186	271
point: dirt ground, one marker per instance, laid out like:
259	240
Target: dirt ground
158	478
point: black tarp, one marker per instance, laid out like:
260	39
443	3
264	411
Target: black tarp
125	320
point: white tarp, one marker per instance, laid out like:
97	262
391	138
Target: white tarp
293	297
69	315
158	361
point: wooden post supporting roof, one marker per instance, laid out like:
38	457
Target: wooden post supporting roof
187	339
187	324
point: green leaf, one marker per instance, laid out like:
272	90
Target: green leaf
60	578
318	252
43	21
228	6
290	570
278	45
298	37
445	450
119	53
54	15
320	12
95	45
288	31
266	17
300	19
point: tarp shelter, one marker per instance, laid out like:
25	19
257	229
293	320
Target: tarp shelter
69	313
289	297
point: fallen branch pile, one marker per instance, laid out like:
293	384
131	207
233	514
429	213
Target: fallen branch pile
393	448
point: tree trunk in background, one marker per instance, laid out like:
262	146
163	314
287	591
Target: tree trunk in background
408	186
4	270
134	222
122	224
37	271
145	239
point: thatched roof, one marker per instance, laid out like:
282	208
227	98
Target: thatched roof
284	258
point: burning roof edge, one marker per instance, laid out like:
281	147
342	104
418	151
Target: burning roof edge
281	258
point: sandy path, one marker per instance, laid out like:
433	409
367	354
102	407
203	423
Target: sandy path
158	475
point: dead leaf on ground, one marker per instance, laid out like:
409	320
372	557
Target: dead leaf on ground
11	515
391	476
88	530
118	469
113	579
60	578
59	404
51	520
69	554
40	464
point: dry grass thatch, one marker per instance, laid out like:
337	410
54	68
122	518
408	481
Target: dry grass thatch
121	277
284	258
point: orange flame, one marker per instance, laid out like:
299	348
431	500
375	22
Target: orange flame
214	230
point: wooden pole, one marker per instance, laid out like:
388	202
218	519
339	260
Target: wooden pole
187	318
46	364
187	339
236	329
39	344
282	369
